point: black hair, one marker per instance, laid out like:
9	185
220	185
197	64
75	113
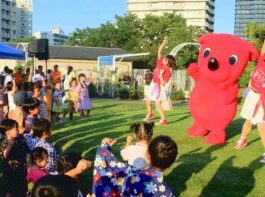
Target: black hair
70	69
67	162
49	71
30	104
7	124
55	186
143	130
38	153
163	152
6	68
171	61
9	85
41	126
73	79
37	85
55	66
28	86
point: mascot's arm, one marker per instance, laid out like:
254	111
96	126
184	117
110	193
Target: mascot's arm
193	71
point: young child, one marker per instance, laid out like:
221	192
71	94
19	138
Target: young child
11	90
39	158
57	102
42	131
84	102
13	152
72	97
40	94
136	154
31	108
72	165
18	114
118	179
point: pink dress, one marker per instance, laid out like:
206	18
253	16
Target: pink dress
84	102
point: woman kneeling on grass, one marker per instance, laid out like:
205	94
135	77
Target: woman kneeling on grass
113	178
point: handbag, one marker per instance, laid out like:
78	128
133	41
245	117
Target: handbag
166	105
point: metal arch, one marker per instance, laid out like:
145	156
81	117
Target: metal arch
179	47
24	45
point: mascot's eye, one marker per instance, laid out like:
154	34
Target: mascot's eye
206	52
233	60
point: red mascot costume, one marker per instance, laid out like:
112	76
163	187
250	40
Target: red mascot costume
213	101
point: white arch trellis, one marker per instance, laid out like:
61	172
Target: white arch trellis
181	75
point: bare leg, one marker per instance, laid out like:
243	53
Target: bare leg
261	129
160	110
247	127
148	106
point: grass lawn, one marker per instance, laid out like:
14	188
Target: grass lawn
201	170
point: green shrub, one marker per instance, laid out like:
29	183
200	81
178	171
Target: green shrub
123	92
92	90
178	95
136	94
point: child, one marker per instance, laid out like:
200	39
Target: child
18	114
84	102
11	90
72	97
160	87
13	152
40	94
39	159
42	131
72	165
136	154
31	108
118	179
28	89
57	102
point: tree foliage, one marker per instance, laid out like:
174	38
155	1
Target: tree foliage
141	35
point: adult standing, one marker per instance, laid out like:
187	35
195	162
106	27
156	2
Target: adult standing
160	86
56	75
68	77
253	109
138	79
148	79
18	77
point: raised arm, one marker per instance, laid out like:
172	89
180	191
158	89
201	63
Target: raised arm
263	48
161	47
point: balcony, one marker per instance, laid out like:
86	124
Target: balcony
6	17
6	26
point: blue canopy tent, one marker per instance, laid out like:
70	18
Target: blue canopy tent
8	52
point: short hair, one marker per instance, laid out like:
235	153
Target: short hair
38	153
163	152
7	124
28	86
67	162
55	186
81	75
143	130
41	126
9	85
30	104
55	66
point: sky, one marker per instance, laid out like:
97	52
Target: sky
72	14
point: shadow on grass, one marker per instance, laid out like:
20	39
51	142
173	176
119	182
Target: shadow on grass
228	180
190	163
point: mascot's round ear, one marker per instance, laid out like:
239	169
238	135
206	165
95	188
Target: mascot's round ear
253	51
205	37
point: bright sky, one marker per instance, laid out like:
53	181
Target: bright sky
72	14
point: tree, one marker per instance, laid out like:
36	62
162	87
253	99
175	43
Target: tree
141	35
255	33
26	40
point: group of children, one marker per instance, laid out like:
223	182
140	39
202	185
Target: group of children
48	174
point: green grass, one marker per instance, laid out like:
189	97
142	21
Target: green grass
201	170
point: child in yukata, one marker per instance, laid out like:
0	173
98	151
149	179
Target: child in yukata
113	178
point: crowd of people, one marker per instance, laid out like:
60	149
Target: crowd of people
30	102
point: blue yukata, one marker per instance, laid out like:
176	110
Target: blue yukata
114	178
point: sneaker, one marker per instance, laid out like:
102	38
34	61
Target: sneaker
162	122
241	144
149	117
263	158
